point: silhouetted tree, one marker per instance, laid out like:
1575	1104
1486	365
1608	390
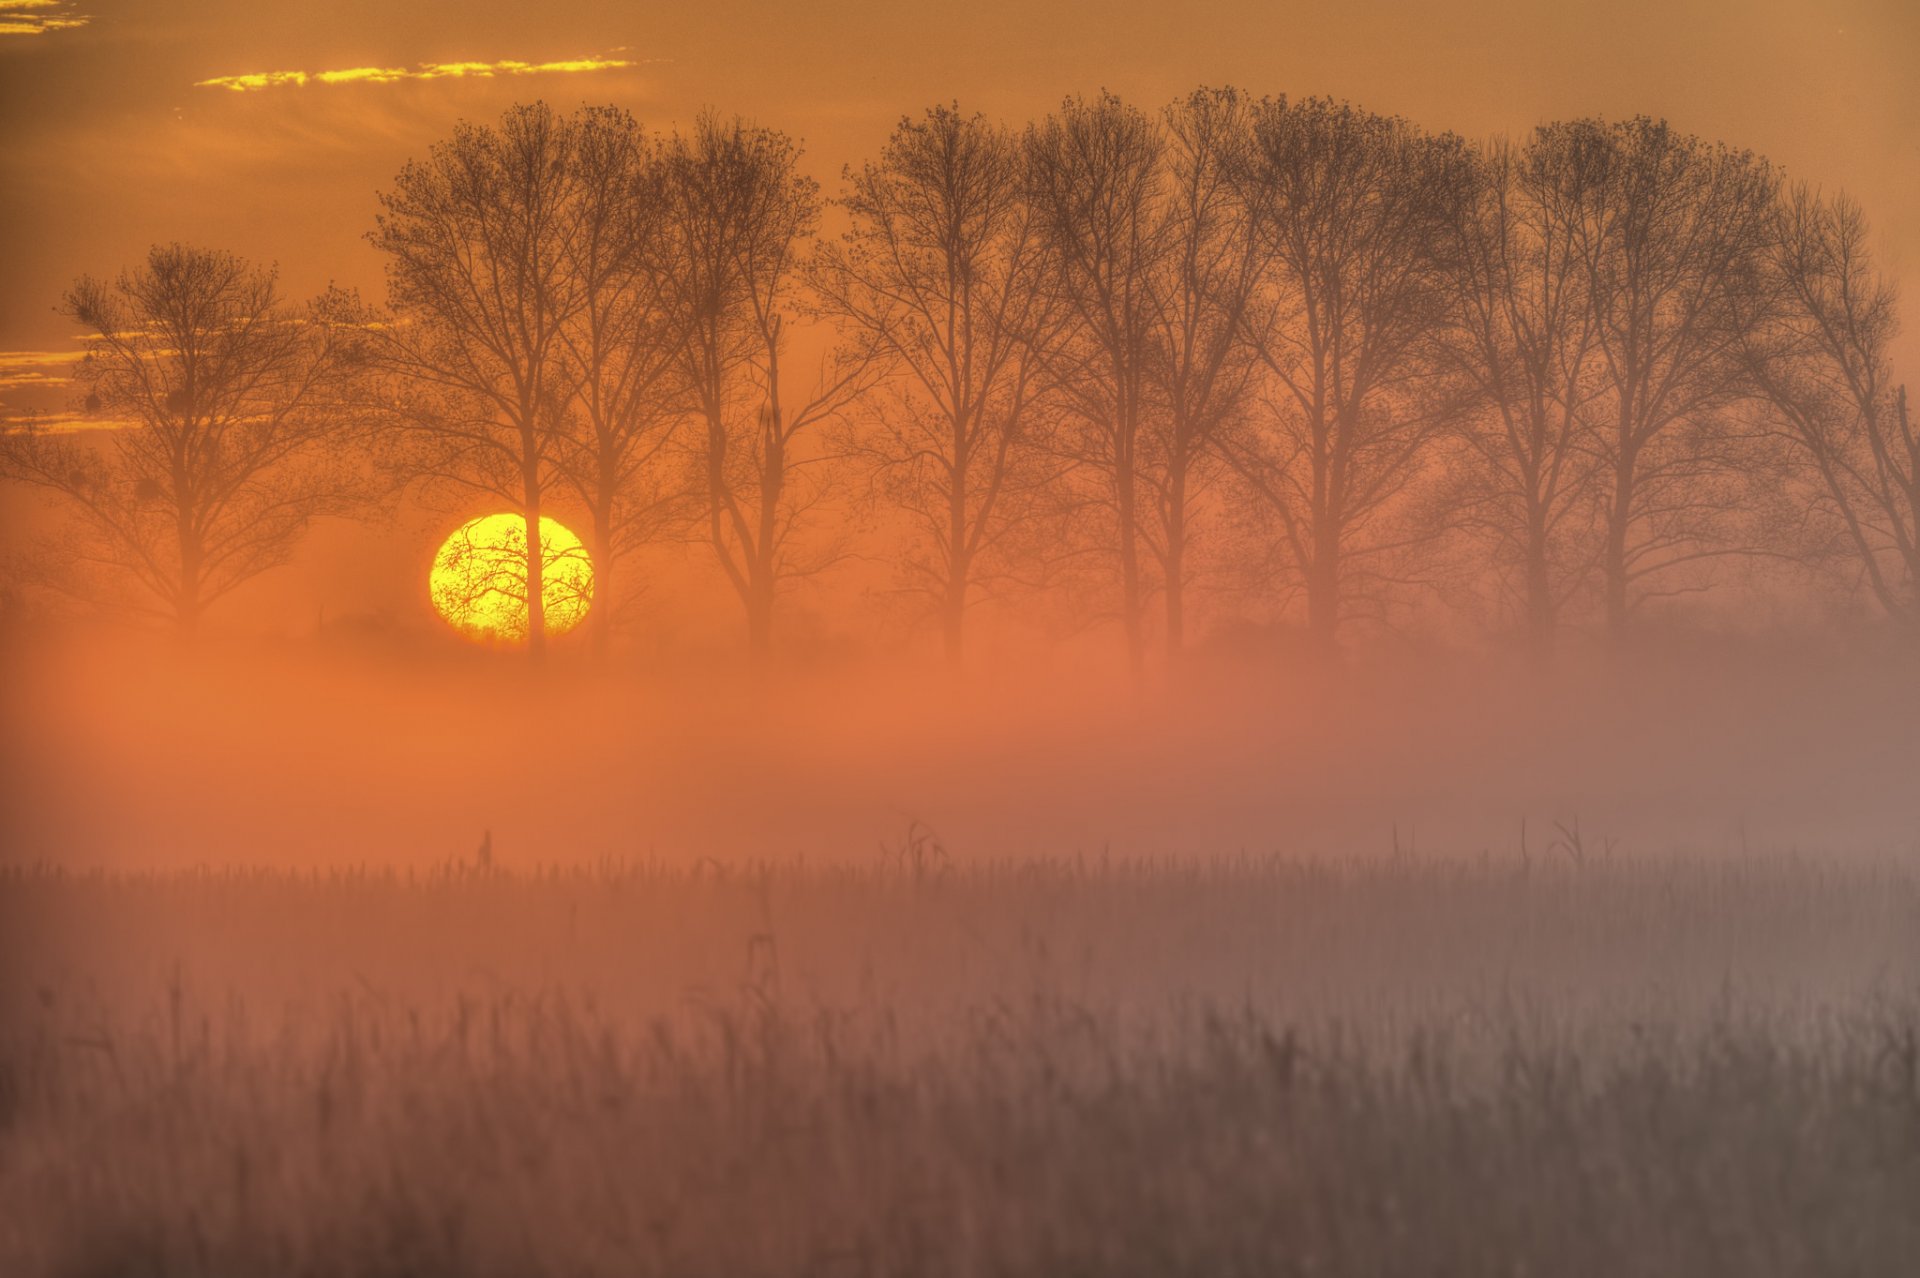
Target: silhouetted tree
737	216
1355	218
1094	177
939	271
621	348
483	282
1819	356
224	425
1202	368
1671	233
1526	342
1597	354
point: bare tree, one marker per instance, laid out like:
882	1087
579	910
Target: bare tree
1355	218
1525	342
228	420
939	272
620	348
1202	367
482	280
738	214
1094	177
1670	231
1819	357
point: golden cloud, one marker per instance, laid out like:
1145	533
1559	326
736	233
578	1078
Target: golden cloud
37	17
17	367
31	378
32	383
256	80
59	423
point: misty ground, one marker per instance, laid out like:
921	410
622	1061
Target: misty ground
126	752
1425	964
1611	1067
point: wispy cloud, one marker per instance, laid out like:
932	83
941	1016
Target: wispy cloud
257	80
38	368
59	423
36	389
31	378
37	17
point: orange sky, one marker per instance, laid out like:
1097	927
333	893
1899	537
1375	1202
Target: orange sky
113	142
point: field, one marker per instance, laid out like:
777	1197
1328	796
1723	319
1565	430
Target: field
1568	1065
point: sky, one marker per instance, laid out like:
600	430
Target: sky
228	123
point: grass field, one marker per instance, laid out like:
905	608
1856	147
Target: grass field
1595	1066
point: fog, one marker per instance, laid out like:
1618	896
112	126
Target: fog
128	751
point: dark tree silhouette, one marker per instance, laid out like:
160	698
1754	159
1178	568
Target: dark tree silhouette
1819	356
1094	177
482	278
1671	233
620	349
1608	359
225	425
1355	217
1202	368
1526	342
737	216
939	272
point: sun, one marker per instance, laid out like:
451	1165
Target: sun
479	578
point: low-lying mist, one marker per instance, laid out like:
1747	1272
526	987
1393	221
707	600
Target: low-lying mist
127	751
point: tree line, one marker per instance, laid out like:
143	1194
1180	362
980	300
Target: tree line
1120	360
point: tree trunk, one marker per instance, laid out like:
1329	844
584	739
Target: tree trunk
1176	561
1619	520
764	575
1323	594
953	616
1130	565
953	609
187	605
1541	621
536	575
601	603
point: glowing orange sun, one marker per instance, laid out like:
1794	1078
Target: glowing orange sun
479	578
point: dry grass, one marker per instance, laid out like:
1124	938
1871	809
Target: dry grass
1614	1068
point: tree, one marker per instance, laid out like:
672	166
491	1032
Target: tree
228	425
738	213
938	271
1354	215
1093	176
482	281
620	348
1818	355
1201	366
1525	342
1670	232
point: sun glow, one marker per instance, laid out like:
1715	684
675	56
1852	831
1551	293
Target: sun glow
479	578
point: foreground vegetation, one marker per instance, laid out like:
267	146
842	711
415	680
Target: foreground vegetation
1573	1065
